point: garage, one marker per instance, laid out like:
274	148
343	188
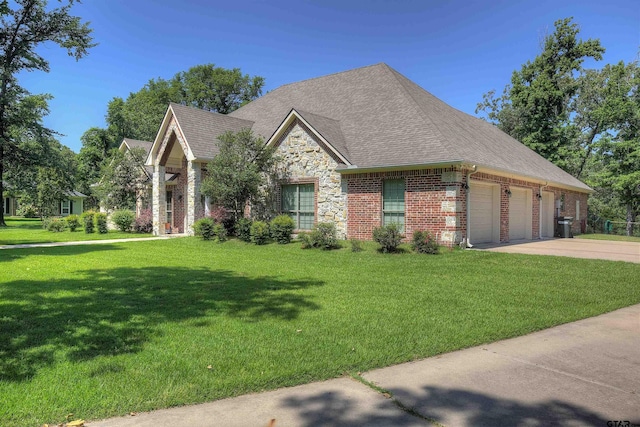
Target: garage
546	209
519	214
484	212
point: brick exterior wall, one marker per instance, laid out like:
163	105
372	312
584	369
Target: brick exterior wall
433	202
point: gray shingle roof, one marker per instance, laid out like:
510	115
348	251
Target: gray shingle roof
201	128
135	143
377	117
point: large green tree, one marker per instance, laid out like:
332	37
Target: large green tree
238	174
536	107
619	154
123	180
26	25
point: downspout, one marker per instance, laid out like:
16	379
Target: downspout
467	241
546	184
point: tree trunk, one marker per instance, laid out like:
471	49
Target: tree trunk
2	223
631	216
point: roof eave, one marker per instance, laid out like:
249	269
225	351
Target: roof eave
543	181
353	169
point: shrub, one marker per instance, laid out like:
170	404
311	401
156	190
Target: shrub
204	228
259	232
221	215
123	219
56	225
356	245
324	236
424	243
220	232
87	221
281	228
27	211
388	236
46	221
306	240
144	222
73	222
101	223
243	229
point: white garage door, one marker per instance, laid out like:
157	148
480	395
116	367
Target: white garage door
547	213
483	212
519	214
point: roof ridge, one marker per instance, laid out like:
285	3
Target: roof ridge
332	74
422	113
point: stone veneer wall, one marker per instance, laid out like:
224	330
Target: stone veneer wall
307	160
570	198
433	202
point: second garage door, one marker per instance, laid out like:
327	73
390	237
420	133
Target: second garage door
520	214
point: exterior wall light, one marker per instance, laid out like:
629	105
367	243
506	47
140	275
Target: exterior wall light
507	192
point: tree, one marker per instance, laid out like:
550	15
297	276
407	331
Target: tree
536	107
238	173
217	89
123	180
97	146
620	153
26	25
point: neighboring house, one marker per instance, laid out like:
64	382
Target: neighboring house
9	206
73	204
369	147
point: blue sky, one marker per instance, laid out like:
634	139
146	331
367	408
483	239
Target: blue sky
457	50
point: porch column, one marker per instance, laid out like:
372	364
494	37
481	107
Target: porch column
159	200
194	207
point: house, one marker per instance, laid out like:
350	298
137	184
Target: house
368	147
73	203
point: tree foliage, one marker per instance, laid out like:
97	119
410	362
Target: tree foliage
239	172
26	25
536	107
123	180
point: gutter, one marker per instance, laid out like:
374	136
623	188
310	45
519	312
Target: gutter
467	242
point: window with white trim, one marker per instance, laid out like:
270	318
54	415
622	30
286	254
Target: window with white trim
298	201
393	202
65	207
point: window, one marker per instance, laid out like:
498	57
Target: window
298	202
6	206
170	208
65	207
393	202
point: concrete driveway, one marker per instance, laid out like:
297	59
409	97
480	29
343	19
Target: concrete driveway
575	248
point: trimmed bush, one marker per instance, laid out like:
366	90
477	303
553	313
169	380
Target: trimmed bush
144	222
388	236
220	231
281	228
73	222
243	229
101	223
27	211
56	225
324	236
123	219
204	228
305	238
87	221
424	243
356	245
46	221
259	232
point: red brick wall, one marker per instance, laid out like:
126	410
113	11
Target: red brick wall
425	192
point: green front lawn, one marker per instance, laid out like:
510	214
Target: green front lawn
105	330
29	230
613	237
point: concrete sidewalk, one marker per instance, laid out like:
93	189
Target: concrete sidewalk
88	242
579	374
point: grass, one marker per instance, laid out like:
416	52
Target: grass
105	330
612	237
29	230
